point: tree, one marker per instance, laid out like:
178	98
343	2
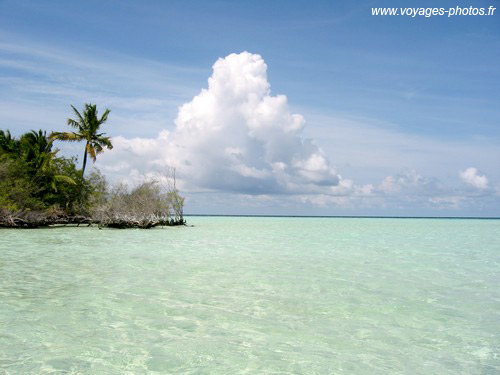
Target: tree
30	172
18	191
8	144
87	130
36	149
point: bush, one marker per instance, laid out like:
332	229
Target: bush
18	192
145	206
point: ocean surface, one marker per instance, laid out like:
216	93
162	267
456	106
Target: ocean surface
242	295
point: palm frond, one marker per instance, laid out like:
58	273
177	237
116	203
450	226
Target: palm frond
91	151
105	141
104	116
66	179
98	148
66	136
5	135
91	116
74	124
82	121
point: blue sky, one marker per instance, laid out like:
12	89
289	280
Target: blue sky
403	110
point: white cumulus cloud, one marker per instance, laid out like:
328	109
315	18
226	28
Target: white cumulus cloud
470	176
233	136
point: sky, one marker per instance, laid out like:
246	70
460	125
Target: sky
270	107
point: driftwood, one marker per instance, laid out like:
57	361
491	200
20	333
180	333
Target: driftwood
36	219
123	223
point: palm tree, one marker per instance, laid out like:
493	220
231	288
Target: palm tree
87	130
8	144
36	150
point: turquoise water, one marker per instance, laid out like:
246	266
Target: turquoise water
253	296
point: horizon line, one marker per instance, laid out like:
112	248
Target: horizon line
353	216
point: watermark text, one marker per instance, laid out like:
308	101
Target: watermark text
429	12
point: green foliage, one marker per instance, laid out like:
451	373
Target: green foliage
32	177
8	144
17	190
87	127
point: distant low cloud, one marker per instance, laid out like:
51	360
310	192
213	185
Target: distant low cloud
471	176
452	202
235	136
409	182
411	188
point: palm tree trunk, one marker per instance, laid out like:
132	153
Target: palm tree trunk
84	159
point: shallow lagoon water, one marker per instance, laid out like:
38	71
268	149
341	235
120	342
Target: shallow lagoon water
253	296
